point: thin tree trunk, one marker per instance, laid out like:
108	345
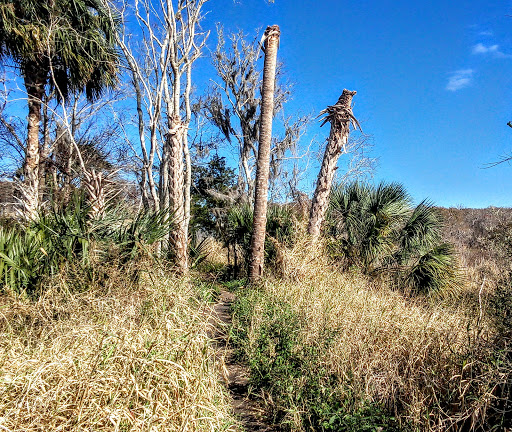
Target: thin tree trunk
163	188
271	45
187	184
143	185
186	151
45	153
34	84
340	116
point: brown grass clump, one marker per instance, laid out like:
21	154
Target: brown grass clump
115	358
418	360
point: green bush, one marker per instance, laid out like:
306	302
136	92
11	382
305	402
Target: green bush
30	253
67	239
377	229
280	229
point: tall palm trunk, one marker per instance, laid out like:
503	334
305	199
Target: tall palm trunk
271	45
35	81
340	116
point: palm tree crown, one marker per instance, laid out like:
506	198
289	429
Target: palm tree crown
70	41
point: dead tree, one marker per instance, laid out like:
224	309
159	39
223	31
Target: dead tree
271	44
161	73
233	107
340	116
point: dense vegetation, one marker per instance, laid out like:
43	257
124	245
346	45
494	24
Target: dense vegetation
346	350
374	313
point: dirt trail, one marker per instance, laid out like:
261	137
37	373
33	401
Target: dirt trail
249	411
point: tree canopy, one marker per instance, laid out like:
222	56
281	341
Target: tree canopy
71	41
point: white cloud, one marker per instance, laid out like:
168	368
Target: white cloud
482	49
460	79
486	33
489	49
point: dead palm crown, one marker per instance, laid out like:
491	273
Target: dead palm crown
341	117
66	44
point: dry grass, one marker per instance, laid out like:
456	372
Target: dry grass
118	358
480	238
416	357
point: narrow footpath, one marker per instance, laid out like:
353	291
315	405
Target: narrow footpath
249	411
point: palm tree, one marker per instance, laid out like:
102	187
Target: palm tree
66	44
378	230
271	44
340	116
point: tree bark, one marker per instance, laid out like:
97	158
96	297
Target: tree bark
340	116
178	242
35	81
271	45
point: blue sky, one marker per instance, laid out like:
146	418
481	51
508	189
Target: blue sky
433	78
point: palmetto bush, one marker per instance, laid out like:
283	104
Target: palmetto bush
29	253
19	252
280	229
67	239
377	229
132	235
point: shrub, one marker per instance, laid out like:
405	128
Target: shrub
66	238
280	229
30	253
378	230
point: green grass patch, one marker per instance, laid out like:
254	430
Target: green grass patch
306	394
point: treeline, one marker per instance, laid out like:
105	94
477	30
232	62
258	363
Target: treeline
111	97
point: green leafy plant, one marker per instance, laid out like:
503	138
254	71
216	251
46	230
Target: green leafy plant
280	229
66	238
30	253
132	234
377	229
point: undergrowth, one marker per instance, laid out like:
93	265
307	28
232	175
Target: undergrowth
305	392
120	356
337	351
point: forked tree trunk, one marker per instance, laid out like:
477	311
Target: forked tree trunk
271	44
178	241
340	116
34	84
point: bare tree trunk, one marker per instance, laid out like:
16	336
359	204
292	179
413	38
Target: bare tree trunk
164	174
34	83
178	237
271	45
172	41
95	185
143	185
187	184
45	152
340	116
186	152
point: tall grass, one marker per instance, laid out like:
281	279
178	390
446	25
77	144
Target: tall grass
339	352
120	357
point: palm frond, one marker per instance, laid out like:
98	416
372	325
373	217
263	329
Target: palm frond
71	41
421	231
433	271
377	229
